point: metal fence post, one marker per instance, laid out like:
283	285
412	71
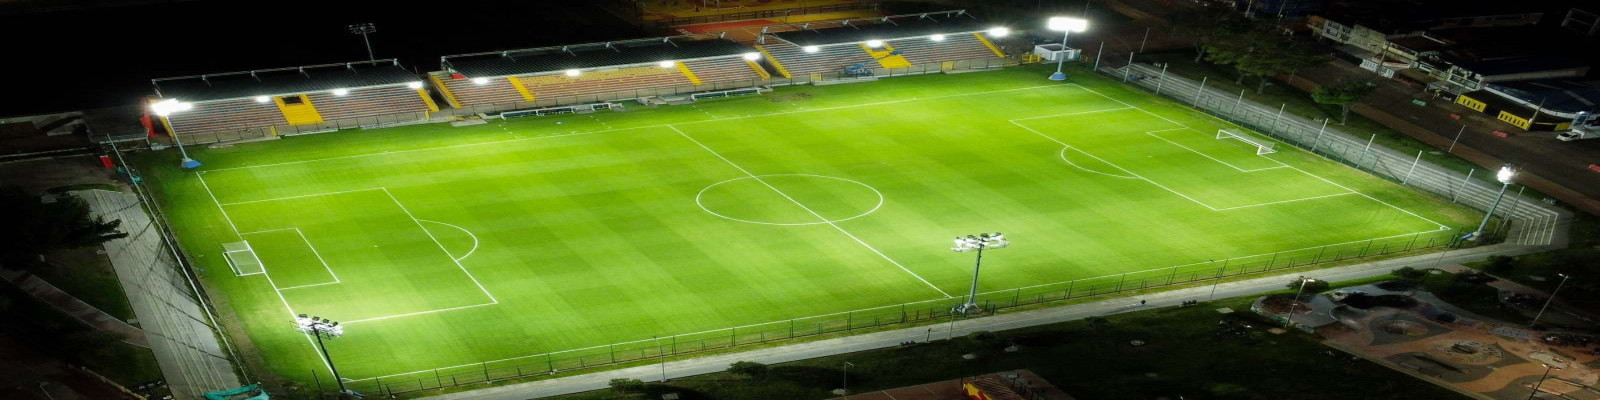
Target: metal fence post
1280	115
1413	168
1457	192
1318	140
1097	55
1162	79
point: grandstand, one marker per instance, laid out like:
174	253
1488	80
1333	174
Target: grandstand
547	76
267	103
868	47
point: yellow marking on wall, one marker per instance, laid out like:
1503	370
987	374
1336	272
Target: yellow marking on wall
445	90
688	73
522	90
759	70
426	99
1472	103
774	61
298	114
886	57
990	45
1514	120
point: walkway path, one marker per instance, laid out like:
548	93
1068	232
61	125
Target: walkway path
1006	321
70	305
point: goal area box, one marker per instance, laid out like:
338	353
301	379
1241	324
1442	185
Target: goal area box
1263	146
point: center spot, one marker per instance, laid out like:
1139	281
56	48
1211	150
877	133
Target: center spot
799	199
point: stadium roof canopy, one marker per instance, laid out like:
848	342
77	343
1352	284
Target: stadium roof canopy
592	55
1561	97
283	81
884	28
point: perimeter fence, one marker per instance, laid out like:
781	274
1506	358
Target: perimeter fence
901	314
1526	222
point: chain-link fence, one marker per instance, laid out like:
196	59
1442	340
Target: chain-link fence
1531	223
924	311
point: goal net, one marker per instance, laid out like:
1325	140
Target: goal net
1262	146
242	258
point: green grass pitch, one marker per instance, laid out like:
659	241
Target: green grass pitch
442	246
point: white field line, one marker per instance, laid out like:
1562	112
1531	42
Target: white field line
313	251
267	230
1287	201
1069	162
275	290
869	309
1192	150
300	196
1091	155
469	234
636	127
1441	226
424	229
1073	113
809	210
311	285
418	313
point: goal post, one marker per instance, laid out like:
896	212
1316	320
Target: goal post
1263	146
242	258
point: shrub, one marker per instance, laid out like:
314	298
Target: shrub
1409	273
627	385
1500	264
1312	286
748	369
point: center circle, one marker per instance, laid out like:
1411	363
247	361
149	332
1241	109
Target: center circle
789	199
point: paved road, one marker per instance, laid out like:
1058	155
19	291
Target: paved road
66	303
1006	321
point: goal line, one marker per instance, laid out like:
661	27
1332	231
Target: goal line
1263	147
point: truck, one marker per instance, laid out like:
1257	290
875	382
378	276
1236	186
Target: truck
1585	126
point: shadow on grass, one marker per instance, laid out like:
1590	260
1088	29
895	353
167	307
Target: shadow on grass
815	377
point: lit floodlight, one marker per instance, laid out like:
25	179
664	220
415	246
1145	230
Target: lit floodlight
414	85
480	81
573	72
341	92
981	241
169	106
811	49
1505	174
263	99
1068	24
937	37
999	31
752	56
668	64
874	43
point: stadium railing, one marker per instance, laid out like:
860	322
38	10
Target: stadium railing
899	314
290	130
1518	220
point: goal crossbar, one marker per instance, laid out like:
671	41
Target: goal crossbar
1263	146
242	258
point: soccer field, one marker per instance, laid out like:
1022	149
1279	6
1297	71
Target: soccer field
441	246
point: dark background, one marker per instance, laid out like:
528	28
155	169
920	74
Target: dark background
104	56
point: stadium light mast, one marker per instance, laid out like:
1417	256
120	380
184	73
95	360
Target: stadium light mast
364	29
977	243
1547	302
1505	176
166	108
1294	302
1067	25
322	328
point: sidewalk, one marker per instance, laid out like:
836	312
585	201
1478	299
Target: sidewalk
1006	321
78	309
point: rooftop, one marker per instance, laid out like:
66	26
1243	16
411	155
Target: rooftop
281	81
1558	95
591	55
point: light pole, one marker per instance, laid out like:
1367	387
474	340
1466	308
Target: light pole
1563	282
364	29
1504	176
663	354
980	242
166	108
1295	302
322	328
1536	385
845	385
1067	25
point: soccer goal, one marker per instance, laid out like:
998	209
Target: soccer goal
242	258
1263	147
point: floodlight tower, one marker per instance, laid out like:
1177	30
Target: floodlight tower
1067	25
364	29
1505	177
1289	318
166	108
322	328
977	243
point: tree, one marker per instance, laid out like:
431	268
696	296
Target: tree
626	385
1312	286
1343	95
1207	26
748	369
36	227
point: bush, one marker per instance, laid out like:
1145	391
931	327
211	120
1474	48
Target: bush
627	385
1312	286
1500	264
1409	273
748	369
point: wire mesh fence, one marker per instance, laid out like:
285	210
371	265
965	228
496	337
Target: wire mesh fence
1530	223
900	314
